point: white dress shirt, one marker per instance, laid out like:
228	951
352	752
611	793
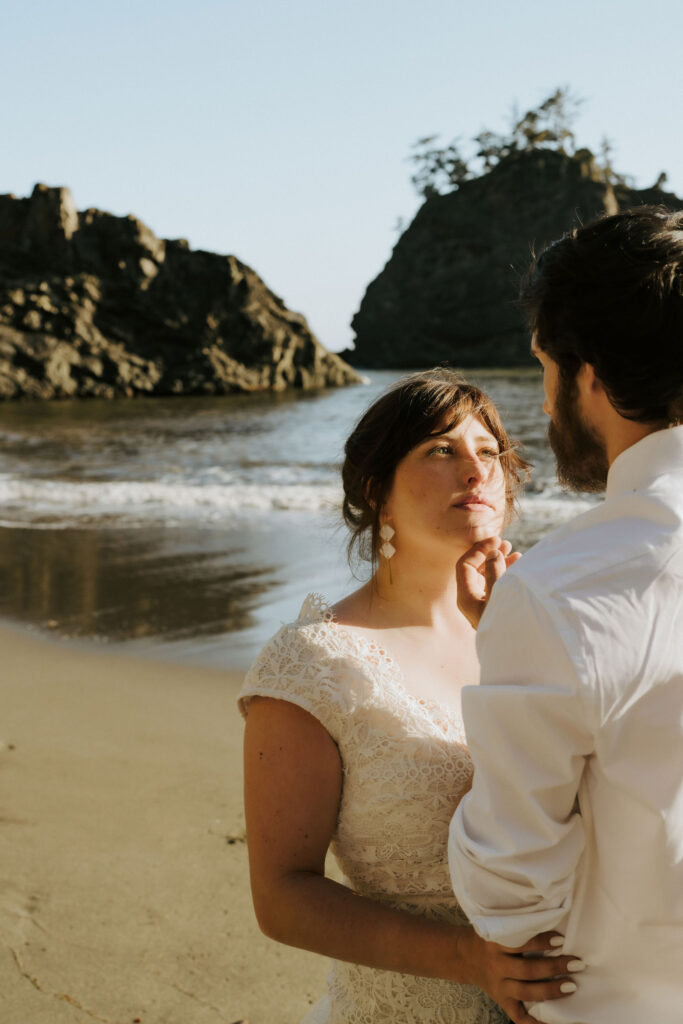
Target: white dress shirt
575	818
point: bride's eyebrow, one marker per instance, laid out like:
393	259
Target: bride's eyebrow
431	438
479	439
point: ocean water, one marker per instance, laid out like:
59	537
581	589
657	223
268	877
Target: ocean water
194	527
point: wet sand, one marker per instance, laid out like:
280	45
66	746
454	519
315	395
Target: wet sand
124	890
207	596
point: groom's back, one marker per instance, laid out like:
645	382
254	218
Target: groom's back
575	817
612	582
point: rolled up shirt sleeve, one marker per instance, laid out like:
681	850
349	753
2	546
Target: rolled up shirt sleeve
517	838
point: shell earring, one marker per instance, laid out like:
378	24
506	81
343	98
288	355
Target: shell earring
387	549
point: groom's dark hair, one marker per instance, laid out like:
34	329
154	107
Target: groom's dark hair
611	294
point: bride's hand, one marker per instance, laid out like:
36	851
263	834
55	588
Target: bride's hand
511	979
477	571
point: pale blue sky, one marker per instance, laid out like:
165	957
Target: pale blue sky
279	131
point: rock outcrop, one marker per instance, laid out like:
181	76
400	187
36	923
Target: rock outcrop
449	291
93	305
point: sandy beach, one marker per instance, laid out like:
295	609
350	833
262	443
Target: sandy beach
169	539
124	892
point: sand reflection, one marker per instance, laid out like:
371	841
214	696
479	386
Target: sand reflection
130	584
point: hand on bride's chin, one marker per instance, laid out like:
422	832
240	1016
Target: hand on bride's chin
478	570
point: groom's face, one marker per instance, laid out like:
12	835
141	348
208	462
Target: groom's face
580	453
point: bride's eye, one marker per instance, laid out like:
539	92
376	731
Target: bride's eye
440	449
489	453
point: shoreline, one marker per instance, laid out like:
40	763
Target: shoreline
185	594
125	893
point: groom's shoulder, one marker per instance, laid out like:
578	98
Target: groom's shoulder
605	547
569	552
601	589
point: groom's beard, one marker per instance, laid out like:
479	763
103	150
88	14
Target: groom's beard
580	453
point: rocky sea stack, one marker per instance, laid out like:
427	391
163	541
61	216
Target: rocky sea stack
449	291
93	305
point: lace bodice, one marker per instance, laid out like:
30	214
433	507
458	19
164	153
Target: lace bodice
405	768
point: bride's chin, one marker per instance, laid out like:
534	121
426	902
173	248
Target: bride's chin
482	531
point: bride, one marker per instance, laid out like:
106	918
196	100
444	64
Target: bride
354	740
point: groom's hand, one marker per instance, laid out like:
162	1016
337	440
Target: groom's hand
477	571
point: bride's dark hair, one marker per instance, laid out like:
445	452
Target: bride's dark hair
412	409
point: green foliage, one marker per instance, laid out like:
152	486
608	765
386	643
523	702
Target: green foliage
437	170
548	126
605	170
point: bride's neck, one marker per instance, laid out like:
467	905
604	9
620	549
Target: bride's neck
419	593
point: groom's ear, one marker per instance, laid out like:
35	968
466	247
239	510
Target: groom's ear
589	382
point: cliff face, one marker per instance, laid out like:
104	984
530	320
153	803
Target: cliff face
96	305
449	291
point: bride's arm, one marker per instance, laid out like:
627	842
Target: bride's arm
293	784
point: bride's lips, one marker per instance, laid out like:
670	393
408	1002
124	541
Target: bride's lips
473	502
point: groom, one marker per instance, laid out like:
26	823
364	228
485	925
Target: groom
575	818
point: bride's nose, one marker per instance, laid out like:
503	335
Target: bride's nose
472	470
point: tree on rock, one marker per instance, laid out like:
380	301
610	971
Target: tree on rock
550	125
437	170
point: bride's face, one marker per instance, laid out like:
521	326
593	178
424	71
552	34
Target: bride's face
449	491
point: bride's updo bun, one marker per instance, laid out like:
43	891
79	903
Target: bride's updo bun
410	410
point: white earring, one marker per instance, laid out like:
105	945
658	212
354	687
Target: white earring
387	548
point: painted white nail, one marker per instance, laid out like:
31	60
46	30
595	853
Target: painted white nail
576	965
568	986
557	940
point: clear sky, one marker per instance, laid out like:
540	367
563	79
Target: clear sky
279	131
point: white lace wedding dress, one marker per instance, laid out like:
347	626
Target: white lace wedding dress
405	768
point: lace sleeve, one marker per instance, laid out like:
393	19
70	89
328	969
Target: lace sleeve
298	667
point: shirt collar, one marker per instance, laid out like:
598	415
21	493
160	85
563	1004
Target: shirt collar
655	455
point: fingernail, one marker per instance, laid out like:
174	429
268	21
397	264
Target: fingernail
557	940
568	986
576	965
